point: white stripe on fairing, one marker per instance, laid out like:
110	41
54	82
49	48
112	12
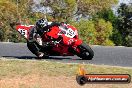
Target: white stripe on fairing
49	23
27	25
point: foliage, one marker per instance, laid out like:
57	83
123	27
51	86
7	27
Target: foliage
104	31
117	37
62	9
90	7
86	30
11	12
66	9
125	23
129	41
108	15
95	32
1	35
7	13
105	28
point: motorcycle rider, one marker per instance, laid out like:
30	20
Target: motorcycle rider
35	41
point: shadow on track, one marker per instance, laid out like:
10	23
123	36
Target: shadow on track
49	58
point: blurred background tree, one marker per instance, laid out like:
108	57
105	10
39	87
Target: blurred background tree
7	13
86	30
95	19
125	23
108	15
91	7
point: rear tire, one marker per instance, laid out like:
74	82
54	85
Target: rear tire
86	53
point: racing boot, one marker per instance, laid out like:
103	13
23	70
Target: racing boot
42	55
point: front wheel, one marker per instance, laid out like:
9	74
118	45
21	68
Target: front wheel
86	53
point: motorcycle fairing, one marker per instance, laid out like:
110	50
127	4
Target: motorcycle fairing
24	30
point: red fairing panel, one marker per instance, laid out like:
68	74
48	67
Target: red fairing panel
63	50
78	42
54	32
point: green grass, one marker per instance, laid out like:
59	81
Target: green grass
13	68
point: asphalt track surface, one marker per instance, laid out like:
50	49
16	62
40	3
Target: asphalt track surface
104	55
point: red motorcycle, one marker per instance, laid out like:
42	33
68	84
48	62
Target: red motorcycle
67	42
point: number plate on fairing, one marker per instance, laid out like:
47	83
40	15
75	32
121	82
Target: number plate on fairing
70	33
24	30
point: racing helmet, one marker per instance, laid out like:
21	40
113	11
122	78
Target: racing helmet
40	24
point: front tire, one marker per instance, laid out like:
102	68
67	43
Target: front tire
86	53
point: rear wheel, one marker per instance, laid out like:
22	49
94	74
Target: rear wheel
86	53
